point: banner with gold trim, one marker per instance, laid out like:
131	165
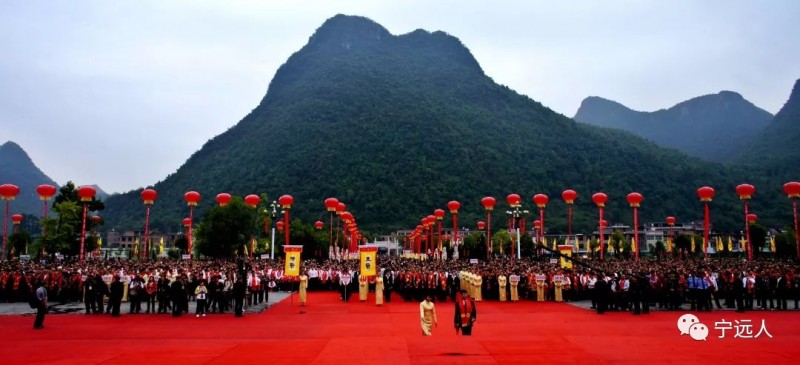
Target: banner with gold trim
565	250
292	264
368	255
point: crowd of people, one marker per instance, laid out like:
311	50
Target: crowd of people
219	286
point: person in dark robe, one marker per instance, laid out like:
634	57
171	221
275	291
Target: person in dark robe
115	297
239	291
178	296
465	314
601	292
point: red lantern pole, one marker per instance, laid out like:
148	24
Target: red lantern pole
745	192
569	198
286	204
792	190
488	204
148	196
600	200
453	206
7	192
705	194
635	199
45	193
86	194
5	229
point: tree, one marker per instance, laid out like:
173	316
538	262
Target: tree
500	241
18	242
182	243
785	244
758	238
63	232
225	230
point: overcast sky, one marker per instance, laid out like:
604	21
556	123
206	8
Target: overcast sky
121	93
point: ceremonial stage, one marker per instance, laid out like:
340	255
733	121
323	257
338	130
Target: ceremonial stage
331	332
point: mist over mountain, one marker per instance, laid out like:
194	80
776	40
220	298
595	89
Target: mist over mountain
712	127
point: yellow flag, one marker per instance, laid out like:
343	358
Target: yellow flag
633	245
669	245
292	264
610	244
772	244
368	264
161	245
730	244
136	248
743	244
693	244
719	247
99	242
555	244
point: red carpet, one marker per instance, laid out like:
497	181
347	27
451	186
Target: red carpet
331	332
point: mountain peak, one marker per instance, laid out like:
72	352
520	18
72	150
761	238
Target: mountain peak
12	151
349	31
794	97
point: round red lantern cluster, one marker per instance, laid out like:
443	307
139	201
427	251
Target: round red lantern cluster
671	221
331	204
634	199
488	203
705	193
792	189
439	214
481	225
540	200
569	196
745	191
453	206
513	200
286	201
8	191
16	218
318	225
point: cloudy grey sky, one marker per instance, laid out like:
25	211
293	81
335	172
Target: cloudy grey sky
121	93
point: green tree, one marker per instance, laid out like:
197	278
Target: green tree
501	241
63	233
785	244
225	230
18	243
758	237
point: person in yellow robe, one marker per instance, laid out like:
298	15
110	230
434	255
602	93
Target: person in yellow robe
303	289
363	288
379	291
514	280
478	287
502	282
427	316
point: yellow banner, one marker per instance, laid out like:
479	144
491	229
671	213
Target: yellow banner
369	264
292	265
565	250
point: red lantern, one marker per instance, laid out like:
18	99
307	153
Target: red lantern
191	198
540	200
318	225
279	225
439	214
569	196
671	221
431	220
331	204
149	196
340	208
792	189
752	218
600	199
453	206
223	199
252	200
8	191
187	222
96	219
481	225
745	191
16	218
488	203
634	199
86	193
46	191
603	223
513	200
286	201
347	216
706	193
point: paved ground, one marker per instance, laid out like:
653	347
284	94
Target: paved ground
23	308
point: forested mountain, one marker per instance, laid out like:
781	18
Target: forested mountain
17	168
712	127
396	126
776	147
